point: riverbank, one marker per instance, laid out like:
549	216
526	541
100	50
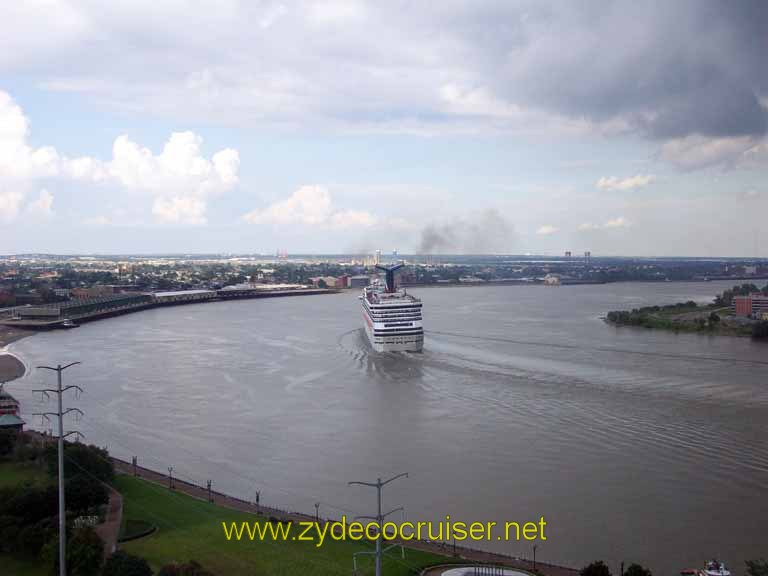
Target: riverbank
11	367
686	317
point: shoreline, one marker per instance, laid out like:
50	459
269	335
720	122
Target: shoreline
11	367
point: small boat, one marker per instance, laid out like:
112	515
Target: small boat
716	568
69	324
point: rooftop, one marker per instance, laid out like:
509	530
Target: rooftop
10	420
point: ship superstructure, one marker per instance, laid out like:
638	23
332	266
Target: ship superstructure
392	317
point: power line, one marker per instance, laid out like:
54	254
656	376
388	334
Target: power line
59	391
379	519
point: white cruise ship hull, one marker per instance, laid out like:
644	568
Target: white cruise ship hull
404	343
393	320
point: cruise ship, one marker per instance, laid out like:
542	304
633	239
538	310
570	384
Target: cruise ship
392	316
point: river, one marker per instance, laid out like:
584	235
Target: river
635	445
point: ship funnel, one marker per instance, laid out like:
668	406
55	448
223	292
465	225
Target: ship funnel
390	272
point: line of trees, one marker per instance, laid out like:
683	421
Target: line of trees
29	512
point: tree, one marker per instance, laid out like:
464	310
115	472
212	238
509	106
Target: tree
85	553
760	330
637	570
82	459
84	493
7	441
597	568
757	567
123	564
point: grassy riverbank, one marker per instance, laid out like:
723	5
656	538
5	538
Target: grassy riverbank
715	318
190	529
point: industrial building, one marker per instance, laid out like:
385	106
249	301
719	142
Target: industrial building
183	296
753	305
82	307
359	281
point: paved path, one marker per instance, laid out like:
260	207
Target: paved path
109	530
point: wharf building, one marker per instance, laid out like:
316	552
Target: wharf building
752	305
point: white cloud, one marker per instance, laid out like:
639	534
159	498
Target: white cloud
630	183
546	230
310	205
618	222
10	203
696	151
179	210
180	177
42	207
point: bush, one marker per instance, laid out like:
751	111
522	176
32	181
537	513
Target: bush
84	493
85	553
123	564
757	568
595	569
760	330
29	504
637	570
82	459
8	440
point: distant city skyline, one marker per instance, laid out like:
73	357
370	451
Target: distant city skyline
345	127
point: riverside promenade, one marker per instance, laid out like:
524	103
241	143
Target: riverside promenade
464	554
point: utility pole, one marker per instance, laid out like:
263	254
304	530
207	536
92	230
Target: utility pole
210	497
61	413
379	519
133	463
258	496
317	512
170	477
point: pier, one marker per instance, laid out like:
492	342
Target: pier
72	312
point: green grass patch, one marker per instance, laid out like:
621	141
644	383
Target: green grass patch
14	473
133	529
190	529
16	567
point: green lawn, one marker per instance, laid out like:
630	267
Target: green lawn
189	529
15	567
13	473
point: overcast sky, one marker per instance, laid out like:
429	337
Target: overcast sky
634	128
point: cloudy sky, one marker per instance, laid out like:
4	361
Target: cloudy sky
624	127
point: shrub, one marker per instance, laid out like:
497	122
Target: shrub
123	564
637	570
8	440
597	568
84	493
85	553
82	459
760	330
757	568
